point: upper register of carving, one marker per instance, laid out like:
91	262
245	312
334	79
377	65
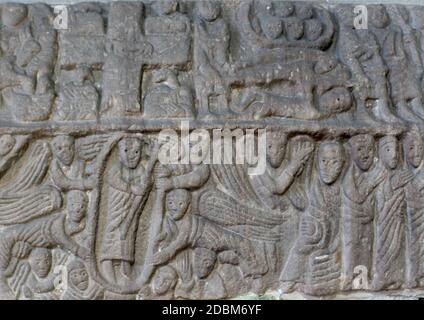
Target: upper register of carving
87	210
253	59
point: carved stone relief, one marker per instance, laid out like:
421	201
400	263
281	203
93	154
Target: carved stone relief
89	209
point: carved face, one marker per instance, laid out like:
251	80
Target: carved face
7	142
294	28
272	28
275	148
414	152
330	162
378	16
363	153
204	262
130	152
77	205
325	64
165	280
282	9
79	278
389	154
41	262
13	14
64	149
177	202
165	7
208	10
305	12
337	99
313	29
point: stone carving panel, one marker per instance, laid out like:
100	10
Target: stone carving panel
89	208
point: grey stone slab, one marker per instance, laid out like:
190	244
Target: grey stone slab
211	150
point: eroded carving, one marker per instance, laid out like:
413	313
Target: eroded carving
89	210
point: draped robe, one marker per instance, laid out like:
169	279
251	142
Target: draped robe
314	258
389	263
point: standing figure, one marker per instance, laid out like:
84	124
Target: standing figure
211	51
389	261
404	88
313	264
413	150
360	50
358	207
169	32
129	183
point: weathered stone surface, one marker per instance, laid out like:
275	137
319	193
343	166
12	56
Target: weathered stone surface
89	209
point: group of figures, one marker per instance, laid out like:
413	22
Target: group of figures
100	217
252	59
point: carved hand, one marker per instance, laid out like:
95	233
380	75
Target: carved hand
309	230
164	184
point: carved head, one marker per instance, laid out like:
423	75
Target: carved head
325	64
305	11
330	161
41	262
378	16
204	262
78	275
77	205
177	202
313	29
208	10
130	152
165	7
282	9
7	142
336	100
363	150
64	149
413	149
13	14
388	150
294	28
276	142
164	280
